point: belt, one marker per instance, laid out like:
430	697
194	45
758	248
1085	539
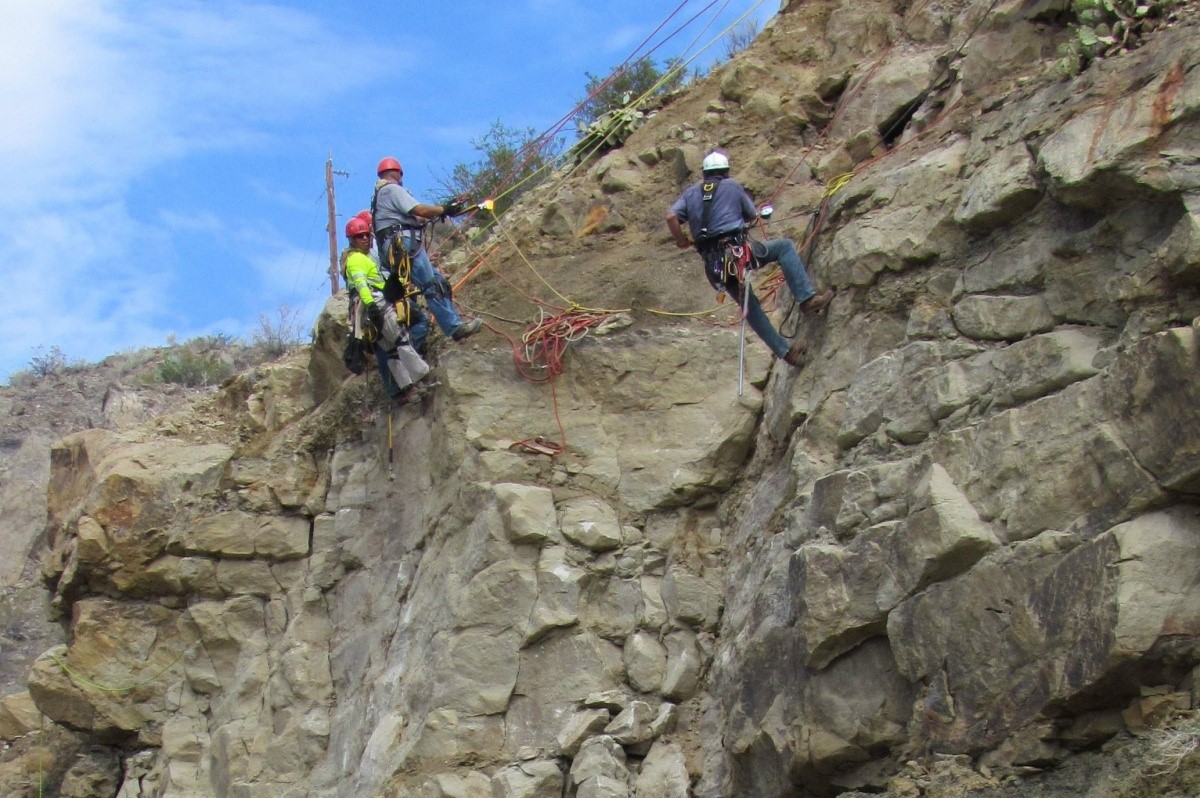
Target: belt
713	243
388	232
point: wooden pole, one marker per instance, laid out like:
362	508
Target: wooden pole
333	253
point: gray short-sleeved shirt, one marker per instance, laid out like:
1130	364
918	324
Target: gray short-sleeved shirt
393	206
731	208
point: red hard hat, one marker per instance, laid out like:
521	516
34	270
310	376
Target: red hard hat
388	164
364	215
357	226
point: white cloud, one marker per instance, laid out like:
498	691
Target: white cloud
295	280
101	98
207	222
69	291
625	38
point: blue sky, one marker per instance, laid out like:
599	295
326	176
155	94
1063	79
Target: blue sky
162	164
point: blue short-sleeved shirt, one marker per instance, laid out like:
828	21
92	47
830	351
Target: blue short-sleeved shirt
731	208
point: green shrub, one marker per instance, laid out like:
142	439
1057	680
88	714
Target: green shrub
22	378
1100	28
195	363
45	363
193	369
513	162
630	84
615	110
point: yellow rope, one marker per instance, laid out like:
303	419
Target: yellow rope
84	681
681	313
572	304
667	76
495	220
836	184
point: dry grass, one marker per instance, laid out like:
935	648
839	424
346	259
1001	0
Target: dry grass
1168	764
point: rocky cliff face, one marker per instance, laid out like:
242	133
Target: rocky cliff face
959	548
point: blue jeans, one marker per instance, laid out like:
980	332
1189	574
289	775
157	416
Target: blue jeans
419	330
435	288
783	252
389	384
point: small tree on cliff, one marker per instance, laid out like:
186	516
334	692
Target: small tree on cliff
628	84
513	160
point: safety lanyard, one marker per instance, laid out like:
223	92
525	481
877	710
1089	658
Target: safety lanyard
708	190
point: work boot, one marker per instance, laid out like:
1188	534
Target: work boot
795	355
467	329
417	391
817	301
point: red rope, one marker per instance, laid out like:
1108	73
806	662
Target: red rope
540	358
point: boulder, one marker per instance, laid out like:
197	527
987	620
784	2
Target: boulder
690	600
579	727
529	513
599	769
535	779
892	235
558	593
645	662
664	773
19	716
1051	644
1092	159
239	535
1000	191
1002	318
591	523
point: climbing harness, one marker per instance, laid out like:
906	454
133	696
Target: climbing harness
728	259
398	287
708	190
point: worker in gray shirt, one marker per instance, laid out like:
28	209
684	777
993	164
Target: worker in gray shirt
400	222
717	211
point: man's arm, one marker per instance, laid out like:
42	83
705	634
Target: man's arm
749	211
397	197
677	233
427	211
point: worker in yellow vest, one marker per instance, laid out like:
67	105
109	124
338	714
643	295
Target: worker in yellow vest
375	318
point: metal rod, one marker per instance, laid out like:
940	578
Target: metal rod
742	348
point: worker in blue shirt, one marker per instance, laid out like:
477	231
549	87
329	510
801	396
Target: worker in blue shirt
717	211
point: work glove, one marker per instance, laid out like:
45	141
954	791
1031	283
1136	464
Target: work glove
375	316
453	207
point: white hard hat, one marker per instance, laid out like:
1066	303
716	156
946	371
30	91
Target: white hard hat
715	162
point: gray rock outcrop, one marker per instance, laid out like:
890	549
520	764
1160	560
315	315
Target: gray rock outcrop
964	538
